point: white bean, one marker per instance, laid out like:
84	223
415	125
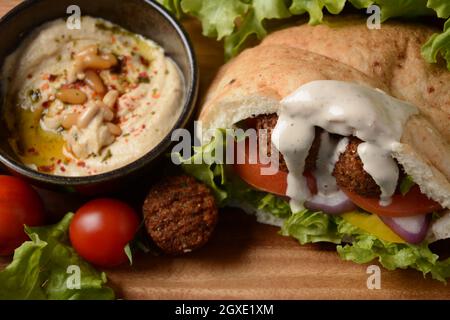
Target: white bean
70	120
87	116
52	123
94	81
110	98
108	114
71	96
114	129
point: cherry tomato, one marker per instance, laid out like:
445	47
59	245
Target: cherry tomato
101	229
19	205
276	183
411	204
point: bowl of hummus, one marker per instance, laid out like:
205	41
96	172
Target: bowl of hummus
86	105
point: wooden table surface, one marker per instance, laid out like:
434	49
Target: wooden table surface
246	260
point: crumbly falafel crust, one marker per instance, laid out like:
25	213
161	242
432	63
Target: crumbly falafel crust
268	122
350	175
180	214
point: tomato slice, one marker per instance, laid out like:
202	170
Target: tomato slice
411	204
276	183
251	173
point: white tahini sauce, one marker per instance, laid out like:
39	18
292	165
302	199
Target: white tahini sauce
330	149
346	109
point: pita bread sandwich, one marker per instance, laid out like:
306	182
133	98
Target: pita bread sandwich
340	135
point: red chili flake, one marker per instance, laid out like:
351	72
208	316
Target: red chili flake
144	61
45	86
30	76
81	164
59	161
143	126
33	151
52	77
46	104
156	95
49	168
63	169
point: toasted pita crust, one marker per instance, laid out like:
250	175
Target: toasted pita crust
389	59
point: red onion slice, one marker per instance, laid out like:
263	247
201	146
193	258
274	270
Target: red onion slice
412	229
336	203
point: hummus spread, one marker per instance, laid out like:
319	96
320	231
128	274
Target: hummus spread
84	102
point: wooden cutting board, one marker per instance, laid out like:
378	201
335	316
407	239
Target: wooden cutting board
246	260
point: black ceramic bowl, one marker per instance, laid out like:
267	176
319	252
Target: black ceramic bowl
139	16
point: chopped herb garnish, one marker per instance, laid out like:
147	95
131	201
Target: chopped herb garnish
406	184
143	79
107	156
34	95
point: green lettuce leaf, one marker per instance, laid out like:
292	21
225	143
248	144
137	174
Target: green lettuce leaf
236	21
361	247
438	44
275	205
217	16
315	8
173	6
403	8
406	184
203	167
361	4
46	268
311	227
442	7
252	23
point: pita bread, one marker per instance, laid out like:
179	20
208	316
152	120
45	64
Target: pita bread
389	59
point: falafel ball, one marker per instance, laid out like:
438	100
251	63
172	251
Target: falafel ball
268	122
350	175
180	214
